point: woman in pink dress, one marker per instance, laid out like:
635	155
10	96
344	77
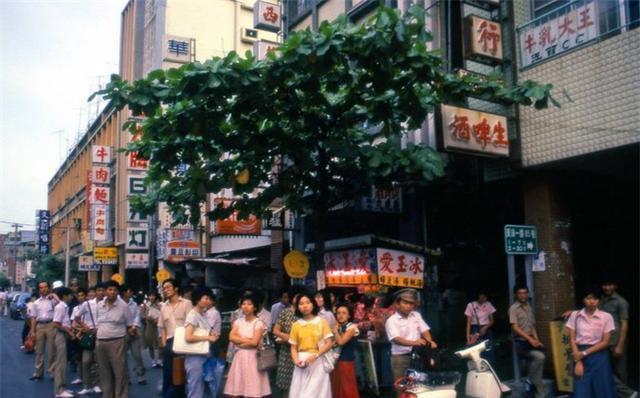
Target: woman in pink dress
244	379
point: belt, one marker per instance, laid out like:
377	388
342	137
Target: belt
112	338
400	355
44	322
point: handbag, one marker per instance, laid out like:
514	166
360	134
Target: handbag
180	345
329	358
179	375
88	339
267	357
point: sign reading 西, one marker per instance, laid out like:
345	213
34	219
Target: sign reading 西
520	239
468	130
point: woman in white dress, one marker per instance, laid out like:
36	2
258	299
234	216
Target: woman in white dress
310	338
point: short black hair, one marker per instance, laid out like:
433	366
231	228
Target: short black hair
348	307
99	285
199	293
109	284
63	291
590	291
125	287
520	287
173	282
315	309
255	300
48	285
81	290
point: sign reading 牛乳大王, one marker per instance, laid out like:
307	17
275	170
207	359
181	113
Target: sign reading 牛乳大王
546	38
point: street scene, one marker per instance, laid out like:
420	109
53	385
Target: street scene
320	198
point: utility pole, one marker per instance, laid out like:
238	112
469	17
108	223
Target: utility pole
16	241
67	259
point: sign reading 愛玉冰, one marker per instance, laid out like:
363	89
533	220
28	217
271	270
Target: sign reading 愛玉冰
469	130
520	239
350	267
400	268
547	38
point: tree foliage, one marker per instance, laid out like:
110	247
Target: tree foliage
48	268
315	124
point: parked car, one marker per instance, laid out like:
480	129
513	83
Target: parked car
18	306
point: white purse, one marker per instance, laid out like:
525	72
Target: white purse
180	345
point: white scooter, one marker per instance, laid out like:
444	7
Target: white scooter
482	380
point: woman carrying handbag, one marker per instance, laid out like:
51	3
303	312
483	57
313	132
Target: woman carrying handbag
197	329
244	378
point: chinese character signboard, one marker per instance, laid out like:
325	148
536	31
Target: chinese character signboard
136	260
182	250
400	268
134	160
382	201
137	239
100	222
350	267
86	263
262	47
235	226
134	216
99	195
105	255
267	16
100	154
468	130
483	40
520	239
551	37
100	174
44	224
178	49
135	185
562	356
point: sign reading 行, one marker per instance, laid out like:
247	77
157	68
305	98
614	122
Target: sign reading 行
178	49
267	16
86	263
483	39
469	130
520	239
350	267
105	255
549	38
400	268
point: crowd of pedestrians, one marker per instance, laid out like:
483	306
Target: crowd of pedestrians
315	334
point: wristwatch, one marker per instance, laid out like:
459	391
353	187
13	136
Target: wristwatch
584	353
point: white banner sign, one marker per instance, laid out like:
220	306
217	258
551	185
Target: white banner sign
136	260
474	131
99	195
100	154
100	175
136	185
137	239
86	263
540	41
100	222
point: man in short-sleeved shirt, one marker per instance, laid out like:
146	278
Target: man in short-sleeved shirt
406	329
62	325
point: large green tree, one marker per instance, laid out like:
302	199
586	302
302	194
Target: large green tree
314	125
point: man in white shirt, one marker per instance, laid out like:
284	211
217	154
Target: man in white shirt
406	329
86	316
42	328
62	329
135	341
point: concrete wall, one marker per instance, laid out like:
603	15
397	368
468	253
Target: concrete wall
602	80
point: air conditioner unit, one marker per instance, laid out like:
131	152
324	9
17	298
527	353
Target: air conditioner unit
248	35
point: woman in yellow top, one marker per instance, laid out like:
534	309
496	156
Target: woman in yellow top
310	337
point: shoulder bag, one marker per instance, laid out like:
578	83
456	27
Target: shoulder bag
267	357
181	346
88	339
